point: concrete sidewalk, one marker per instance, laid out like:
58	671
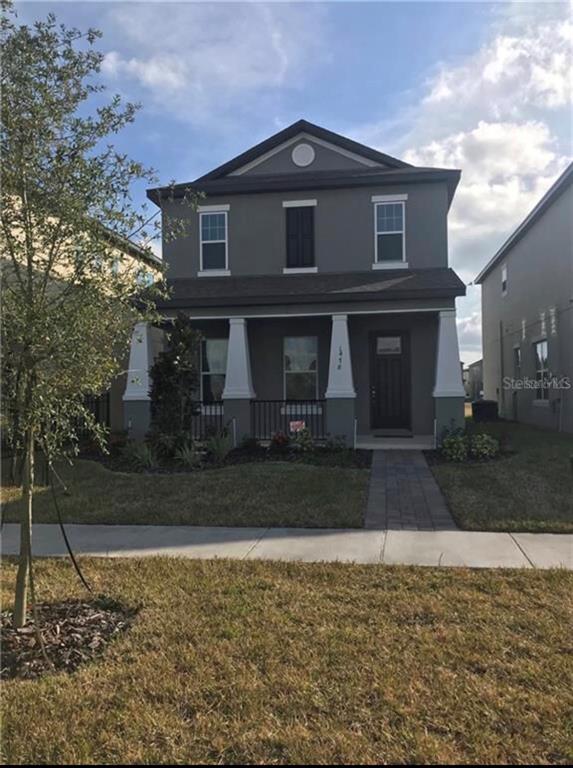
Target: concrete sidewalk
393	547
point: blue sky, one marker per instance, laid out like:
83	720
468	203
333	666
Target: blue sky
479	86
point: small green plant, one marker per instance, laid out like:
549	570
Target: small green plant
335	444
250	444
218	447
140	455
303	441
455	448
188	455
483	447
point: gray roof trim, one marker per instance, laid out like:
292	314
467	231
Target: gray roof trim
320	288
562	183
312	181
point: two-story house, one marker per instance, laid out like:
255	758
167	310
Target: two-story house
527	315
317	270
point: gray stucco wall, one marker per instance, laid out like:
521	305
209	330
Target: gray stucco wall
540	276
344	230
325	159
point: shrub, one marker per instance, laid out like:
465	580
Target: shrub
218	447
166	444
336	444
140	455
483	447
303	441
250	444
455	448
280	441
188	455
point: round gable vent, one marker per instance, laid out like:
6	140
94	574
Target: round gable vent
303	155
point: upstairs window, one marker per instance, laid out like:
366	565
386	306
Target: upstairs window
301	368
300	237
390	231
541	369
214	253
504	280
517	362
213	369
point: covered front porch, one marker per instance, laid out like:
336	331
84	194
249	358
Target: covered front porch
370	379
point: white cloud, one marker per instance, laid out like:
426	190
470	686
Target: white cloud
501	115
200	61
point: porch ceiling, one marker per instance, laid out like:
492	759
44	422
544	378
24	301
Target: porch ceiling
322	288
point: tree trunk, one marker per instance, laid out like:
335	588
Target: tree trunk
21	597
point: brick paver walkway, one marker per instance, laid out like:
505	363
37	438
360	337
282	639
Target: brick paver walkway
404	495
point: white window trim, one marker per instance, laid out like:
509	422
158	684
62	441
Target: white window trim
210	409
214	272
300	335
390	264
223	208
300	203
299	270
389	198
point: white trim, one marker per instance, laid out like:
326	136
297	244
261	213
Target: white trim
389	198
299	270
214	272
221	208
238	377
299	203
448	372
317	314
340	378
309	137
397	232
390	265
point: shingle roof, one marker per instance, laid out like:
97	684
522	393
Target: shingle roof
313	288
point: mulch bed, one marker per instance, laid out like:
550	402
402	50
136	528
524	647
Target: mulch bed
437	457
73	632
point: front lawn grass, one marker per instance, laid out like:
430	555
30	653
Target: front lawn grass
258	494
531	489
290	663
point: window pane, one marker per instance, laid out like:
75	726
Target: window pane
214	358
390	217
300	386
300	353
390	248
213	226
213	385
541	355
214	256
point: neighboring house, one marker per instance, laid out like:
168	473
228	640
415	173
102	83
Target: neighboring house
527	315
474	380
317	270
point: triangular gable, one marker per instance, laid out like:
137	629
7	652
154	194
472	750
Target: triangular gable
363	155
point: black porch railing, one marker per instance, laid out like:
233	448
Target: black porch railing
289	416
98	406
207	419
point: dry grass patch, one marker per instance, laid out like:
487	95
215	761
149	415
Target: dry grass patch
253	662
258	494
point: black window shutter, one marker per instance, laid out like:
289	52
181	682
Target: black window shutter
300	237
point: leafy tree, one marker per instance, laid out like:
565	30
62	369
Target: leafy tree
68	288
175	379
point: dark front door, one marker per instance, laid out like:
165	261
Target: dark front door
390	381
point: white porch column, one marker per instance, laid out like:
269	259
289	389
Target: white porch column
140	356
146	341
449	393
340	393
238	380
448	368
340	381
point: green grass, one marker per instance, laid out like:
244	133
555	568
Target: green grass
531	490
252	662
272	494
